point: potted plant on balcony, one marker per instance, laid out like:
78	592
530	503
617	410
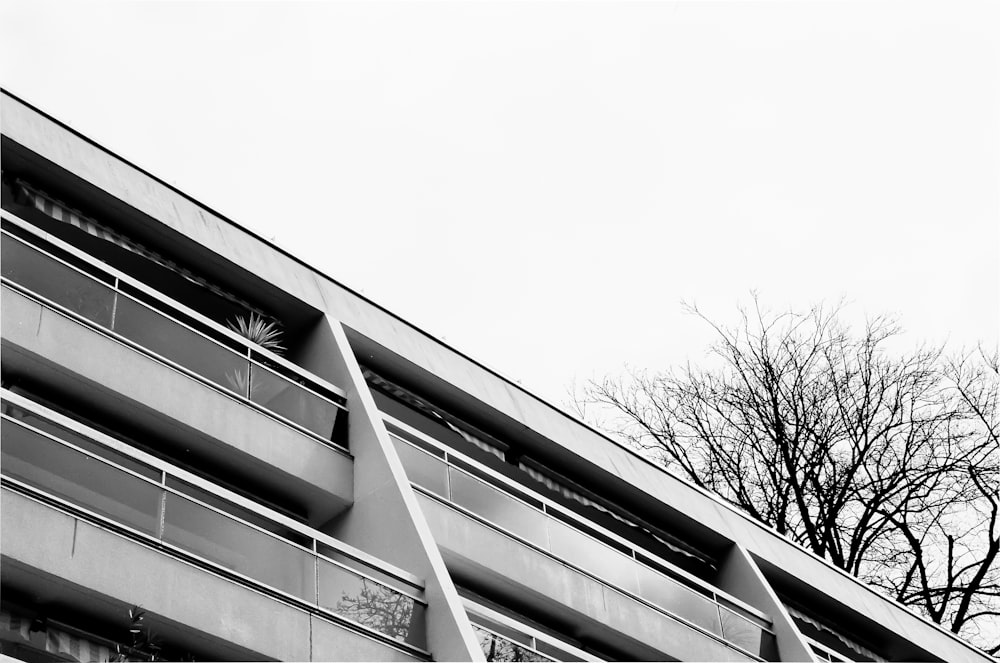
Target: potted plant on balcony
262	332
265	333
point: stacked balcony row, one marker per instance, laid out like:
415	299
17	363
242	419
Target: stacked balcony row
155	503
457	482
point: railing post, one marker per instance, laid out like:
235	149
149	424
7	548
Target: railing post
114	305
161	508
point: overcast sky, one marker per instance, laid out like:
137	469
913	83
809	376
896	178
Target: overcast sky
541	184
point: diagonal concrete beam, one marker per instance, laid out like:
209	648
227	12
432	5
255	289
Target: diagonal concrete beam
740	576
385	519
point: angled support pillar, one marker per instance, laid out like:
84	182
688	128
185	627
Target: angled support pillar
385	519
741	577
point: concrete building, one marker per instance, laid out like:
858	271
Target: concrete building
364	492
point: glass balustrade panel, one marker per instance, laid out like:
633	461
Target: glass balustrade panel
497	648
742	632
79	478
497	507
46	426
675	598
369	603
372	570
503	630
555	653
238	547
572	545
57	282
288	399
171	340
423	469
240	513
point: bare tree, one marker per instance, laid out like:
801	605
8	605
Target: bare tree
884	463
965	592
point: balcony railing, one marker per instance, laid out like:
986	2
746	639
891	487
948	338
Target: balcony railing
499	648
198	347
169	508
626	570
503	638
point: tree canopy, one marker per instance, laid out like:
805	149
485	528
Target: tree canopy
884	462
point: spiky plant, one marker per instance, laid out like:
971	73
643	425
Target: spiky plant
239	381
265	333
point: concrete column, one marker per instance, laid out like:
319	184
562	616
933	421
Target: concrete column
385	519
741	577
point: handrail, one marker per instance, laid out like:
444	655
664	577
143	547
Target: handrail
497	636
830	653
133	282
165	467
474	609
563	512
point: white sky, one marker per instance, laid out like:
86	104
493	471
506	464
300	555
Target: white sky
541	184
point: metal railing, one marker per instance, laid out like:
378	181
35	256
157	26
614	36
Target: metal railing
509	628
107	302
168	507
625	572
499	648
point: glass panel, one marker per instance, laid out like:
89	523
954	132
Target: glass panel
423	469
501	649
501	629
80	479
497	507
370	603
237	546
555	652
246	515
332	553
678	599
284	397
591	555
42	424
179	344
57	282
741	632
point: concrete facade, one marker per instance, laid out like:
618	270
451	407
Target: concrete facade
290	516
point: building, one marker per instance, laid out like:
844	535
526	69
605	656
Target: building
364	492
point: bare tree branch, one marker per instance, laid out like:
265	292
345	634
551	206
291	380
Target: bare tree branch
886	464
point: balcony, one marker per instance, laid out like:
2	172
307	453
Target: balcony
494	533
110	343
187	535
210	352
